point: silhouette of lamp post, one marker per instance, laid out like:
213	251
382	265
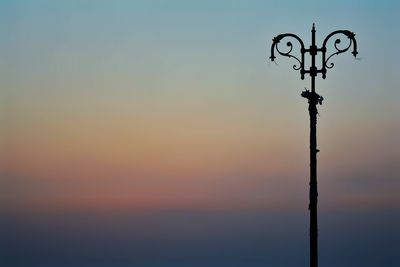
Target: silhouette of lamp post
313	100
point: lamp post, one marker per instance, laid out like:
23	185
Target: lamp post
313	100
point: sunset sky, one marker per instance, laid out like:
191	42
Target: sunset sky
158	134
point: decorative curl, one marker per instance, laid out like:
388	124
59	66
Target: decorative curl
352	41
287	54
275	45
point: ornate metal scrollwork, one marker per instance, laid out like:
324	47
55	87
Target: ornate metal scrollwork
275	46
313	50
325	60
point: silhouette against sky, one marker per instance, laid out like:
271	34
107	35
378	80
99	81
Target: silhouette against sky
158	133
314	99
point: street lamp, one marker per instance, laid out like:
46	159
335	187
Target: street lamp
313	100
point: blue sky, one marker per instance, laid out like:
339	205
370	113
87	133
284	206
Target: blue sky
158	133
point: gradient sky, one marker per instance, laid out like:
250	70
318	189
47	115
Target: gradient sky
157	133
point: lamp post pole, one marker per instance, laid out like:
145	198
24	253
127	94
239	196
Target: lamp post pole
313	100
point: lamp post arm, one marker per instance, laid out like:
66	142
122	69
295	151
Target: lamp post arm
275	46
325	60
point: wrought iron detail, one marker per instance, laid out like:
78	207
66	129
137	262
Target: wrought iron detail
313	50
351	41
275	46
